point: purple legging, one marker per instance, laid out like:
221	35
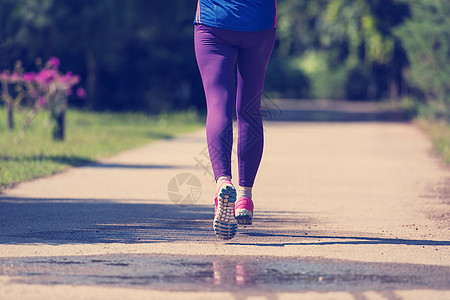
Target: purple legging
218	51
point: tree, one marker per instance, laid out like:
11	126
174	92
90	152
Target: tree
133	55
346	47
426	39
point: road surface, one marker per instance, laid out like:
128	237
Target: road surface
344	210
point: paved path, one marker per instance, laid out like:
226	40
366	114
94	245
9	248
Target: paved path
343	211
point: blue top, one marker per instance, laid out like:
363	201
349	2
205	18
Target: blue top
237	15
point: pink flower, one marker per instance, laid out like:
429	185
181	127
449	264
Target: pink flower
81	92
75	80
40	77
4	76
15	77
53	63
41	101
46	76
67	78
33	93
29	77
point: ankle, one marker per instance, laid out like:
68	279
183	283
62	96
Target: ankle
245	192
222	179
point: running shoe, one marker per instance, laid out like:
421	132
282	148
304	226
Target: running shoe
244	211
225	225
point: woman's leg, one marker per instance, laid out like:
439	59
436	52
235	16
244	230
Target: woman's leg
253	58
216	61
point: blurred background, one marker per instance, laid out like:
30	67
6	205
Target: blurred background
138	55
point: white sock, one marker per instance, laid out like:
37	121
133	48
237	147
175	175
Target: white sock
244	193
221	179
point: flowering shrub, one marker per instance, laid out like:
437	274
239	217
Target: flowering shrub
47	89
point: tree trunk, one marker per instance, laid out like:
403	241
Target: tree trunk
60	125
91	80
8	105
10	115
59	116
394	84
396	81
393	89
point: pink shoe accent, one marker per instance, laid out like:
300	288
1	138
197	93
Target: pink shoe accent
244	211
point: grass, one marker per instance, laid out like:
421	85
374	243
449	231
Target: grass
89	136
439	133
432	117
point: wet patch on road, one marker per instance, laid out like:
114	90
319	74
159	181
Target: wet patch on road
210	273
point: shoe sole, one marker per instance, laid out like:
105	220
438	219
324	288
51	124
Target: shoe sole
244	217
225	225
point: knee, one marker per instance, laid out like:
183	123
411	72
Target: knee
249	114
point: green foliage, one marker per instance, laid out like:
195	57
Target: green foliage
325	84
355	24
139	54
426	39
345	47
285	79
133	55
90	136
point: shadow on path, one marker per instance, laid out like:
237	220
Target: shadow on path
330	111
72	221
241	276
67	221
70	160
75	161
99	165
337	240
